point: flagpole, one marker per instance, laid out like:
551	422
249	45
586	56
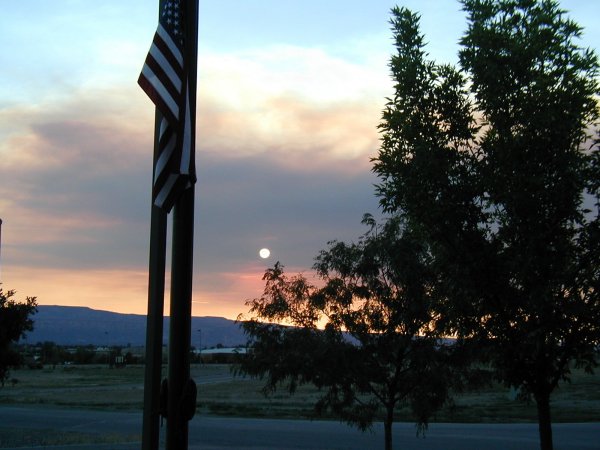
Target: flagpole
154	321
181	391
181	388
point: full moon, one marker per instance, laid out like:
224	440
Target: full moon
264	253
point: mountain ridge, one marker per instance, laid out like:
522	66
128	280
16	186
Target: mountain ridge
82	325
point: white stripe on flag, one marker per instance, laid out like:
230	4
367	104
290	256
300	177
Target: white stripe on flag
164	64
165	191
172	46
161	90
187	138
165	154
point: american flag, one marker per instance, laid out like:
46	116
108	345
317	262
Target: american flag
164	78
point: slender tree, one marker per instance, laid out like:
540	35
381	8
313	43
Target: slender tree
15	321
493	165
364	335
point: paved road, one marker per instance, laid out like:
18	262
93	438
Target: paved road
217	433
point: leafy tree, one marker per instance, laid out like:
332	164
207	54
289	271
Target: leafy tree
363	336
492	165
14	322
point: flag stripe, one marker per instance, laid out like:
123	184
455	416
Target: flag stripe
186	147
173	48
165	64
167	143
163	194
161	94
164	78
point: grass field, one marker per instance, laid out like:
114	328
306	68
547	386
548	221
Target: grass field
219	393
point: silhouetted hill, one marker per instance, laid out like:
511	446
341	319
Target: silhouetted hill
73	325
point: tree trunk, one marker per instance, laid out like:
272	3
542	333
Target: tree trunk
544	422
387	426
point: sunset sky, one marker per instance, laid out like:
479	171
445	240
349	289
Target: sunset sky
289	97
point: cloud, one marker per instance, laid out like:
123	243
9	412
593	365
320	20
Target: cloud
283	147
300	105
73	176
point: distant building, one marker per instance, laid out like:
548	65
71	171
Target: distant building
225	355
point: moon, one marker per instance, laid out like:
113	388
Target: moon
264	253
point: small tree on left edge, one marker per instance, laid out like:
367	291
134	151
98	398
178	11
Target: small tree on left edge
14	322
364	338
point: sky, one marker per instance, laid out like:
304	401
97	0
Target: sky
290	93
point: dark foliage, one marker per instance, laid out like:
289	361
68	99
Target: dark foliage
492	164
15	321
365	335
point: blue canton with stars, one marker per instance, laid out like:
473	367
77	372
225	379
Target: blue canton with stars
172	20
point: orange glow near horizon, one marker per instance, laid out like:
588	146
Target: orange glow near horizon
126	290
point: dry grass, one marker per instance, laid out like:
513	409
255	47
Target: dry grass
77	386
104	388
